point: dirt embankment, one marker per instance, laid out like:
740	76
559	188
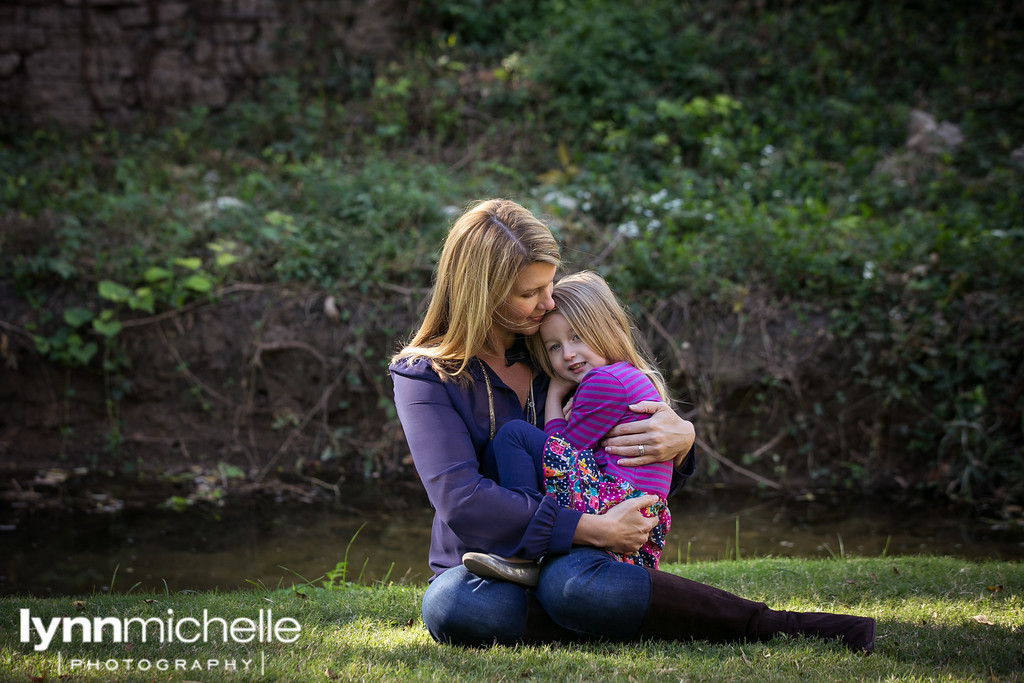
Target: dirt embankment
262	381
266	385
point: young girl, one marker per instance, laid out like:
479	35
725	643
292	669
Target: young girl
587	344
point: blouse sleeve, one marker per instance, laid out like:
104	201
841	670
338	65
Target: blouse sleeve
682	473
481	513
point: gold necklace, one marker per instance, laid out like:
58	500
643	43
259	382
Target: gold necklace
531	406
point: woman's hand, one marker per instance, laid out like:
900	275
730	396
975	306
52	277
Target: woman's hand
623	529
661	437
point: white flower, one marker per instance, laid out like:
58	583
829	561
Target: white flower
224	203
628	230
215	206
561	200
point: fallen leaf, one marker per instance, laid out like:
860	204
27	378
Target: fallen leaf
982	619
995	589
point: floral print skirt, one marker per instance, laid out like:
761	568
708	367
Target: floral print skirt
574	479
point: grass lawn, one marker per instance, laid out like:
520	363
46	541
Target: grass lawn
938	619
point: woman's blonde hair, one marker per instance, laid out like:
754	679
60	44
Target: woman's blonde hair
485	251
595	314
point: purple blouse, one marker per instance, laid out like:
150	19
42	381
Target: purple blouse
447	426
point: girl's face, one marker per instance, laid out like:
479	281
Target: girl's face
570	357
529	300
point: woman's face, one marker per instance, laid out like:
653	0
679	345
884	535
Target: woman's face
529	300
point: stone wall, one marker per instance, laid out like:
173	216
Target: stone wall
76	62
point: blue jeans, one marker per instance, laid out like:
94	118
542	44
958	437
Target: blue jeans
585	593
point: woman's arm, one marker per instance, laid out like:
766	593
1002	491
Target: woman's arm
623	529
664	436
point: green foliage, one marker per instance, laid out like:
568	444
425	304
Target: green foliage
353	226
720	157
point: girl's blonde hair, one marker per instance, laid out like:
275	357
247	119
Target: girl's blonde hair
485	251
599	319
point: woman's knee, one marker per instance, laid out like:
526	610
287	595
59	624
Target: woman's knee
460	608
589	592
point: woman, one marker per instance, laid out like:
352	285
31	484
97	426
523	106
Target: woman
463	375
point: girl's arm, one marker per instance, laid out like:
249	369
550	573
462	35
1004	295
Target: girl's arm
598	405
554	411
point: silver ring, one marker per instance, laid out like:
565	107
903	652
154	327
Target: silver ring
641	447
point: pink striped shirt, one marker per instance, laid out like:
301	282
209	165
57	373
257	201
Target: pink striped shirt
602	401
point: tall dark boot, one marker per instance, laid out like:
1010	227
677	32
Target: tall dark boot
681	609
856	633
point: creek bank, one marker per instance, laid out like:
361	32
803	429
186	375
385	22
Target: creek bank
259	390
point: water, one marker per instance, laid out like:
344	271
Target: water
386	534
